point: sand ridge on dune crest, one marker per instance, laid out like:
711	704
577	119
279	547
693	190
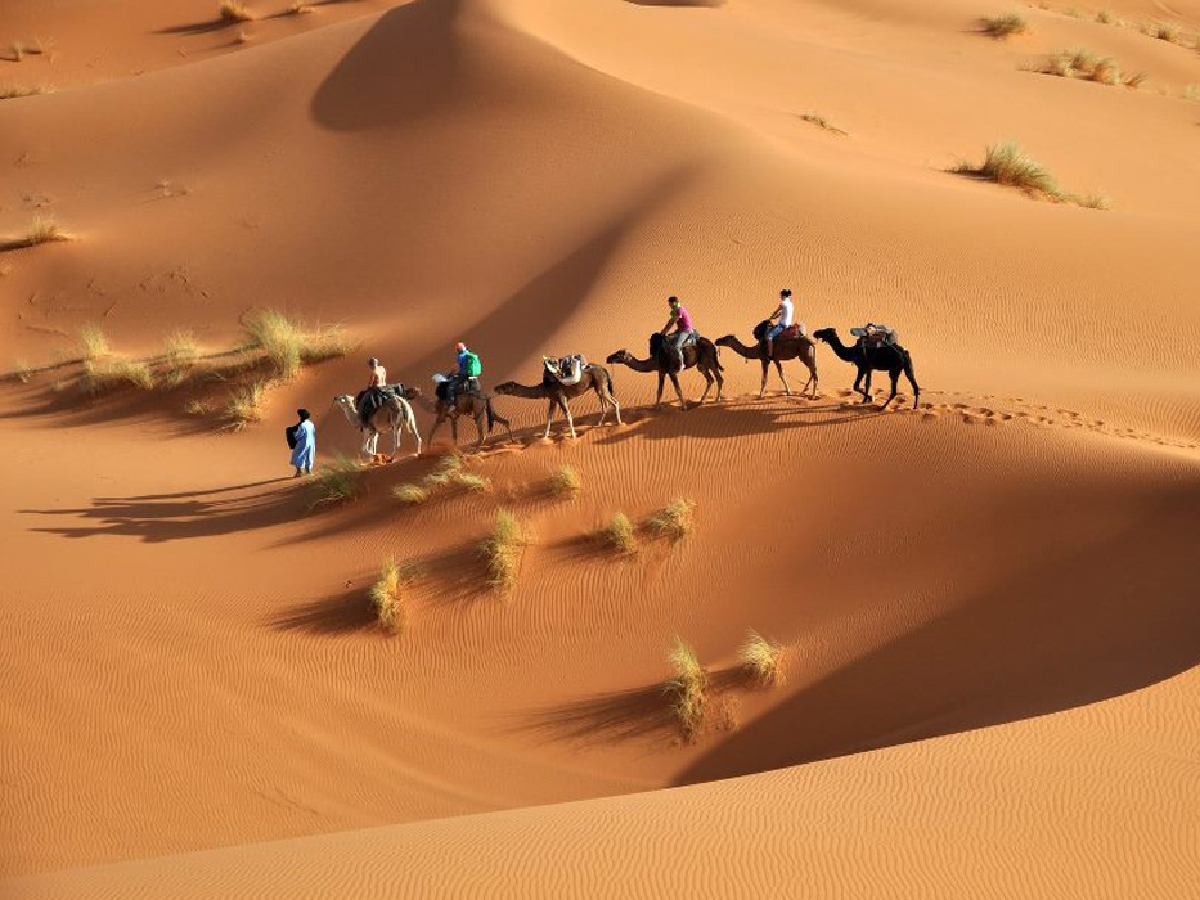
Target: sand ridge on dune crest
522	672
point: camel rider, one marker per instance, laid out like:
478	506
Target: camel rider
469	370
373	397
783	317
681	321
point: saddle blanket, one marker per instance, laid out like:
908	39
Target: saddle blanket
567	369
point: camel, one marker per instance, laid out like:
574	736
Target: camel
703	355
782	349
477	405
890	358
594	378
395	415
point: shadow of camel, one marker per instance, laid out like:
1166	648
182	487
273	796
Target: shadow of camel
1079	627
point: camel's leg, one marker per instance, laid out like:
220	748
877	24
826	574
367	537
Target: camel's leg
567	412
787	388
617	409
811	362
708	383
454	431
395	439
895	376
762	385
912	379
549	418
866	389
479	428
433	429
720	383
600	395
658	399
679	391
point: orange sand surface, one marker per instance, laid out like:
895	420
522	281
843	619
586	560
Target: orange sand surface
987	603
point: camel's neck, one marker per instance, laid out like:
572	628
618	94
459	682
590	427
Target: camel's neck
529	392
742	350
842	351
350	413
641	365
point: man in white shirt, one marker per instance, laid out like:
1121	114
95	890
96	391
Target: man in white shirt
784	316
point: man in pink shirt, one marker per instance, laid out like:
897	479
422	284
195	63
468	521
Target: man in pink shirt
682	323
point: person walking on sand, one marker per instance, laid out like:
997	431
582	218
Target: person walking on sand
305	452
681	321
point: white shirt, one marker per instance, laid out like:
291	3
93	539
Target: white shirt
789	313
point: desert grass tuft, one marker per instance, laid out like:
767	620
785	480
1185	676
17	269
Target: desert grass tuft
299	8
621	534
289	345
502	551
761	659
1106	17
245	406
93	342
688	687
1166	31
231	11
42	231
471	481
1191	92
1092	201
1004	26
197	407
23	372
385	596
823	123
179	356
102	375
16	91
675	520
410	494
447	469
566	482
337	482
1008	164
1090	66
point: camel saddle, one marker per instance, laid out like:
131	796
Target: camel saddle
872	335
369	401
565	370
790	333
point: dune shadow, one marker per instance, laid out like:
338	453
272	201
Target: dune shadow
343	613
1076	628
170	517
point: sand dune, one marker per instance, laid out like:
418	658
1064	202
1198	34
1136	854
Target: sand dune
985	601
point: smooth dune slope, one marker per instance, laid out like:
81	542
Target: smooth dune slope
985	601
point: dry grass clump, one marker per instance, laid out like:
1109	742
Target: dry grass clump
93	341
1191	92
1004	26
1165	31
1008	164
1106	17
502	551
337	482
179	356
621	534
822	122
42	231
761	659
1092	201
15	91
299	8
245	406
23	372
230	11
688	687
566	482
385	596
197	407
102	375
410	494
470	481
675	520
1089	66
288	345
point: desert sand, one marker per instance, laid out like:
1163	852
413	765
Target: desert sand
986	603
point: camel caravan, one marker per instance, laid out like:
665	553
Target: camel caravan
677	347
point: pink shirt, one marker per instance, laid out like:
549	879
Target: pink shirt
684	320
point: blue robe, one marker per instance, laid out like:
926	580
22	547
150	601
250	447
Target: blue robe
306	446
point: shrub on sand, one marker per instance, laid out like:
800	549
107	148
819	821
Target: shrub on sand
1004	26
93	341
197	407
823	123
446	470
761	659
299	8
410	494
101	375
385	595
288	344
1008	164
232	11
337	482
566	481
471	481
245	406
1105	17
1166	31
502	550
688	687
15	91
179	355
1093	201
43	230
621	534
23	372
674	520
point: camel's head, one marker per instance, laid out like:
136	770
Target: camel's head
621	356
727	341
505	387
343	400
828	335
411	392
